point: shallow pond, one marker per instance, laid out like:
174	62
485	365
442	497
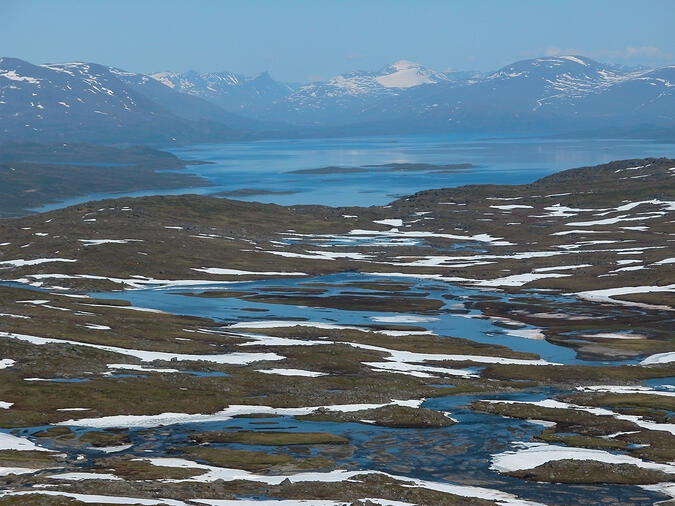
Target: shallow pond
452	320
459	454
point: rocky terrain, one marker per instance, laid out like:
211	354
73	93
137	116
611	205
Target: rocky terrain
194	350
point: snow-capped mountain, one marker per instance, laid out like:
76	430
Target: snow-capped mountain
40	93
549	92
346	96
390	80
565	78
407	74
87	101
262	97
187	106
643	97
543	94
575	86
250	95
226	86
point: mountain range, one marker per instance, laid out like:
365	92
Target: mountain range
92	102
549	95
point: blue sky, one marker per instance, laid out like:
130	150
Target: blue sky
305	40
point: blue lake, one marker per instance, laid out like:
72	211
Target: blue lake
266	166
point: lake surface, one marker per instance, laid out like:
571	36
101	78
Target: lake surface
265	166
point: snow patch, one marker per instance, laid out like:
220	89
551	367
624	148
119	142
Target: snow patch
531	455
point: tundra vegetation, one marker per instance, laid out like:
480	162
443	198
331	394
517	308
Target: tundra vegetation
571	278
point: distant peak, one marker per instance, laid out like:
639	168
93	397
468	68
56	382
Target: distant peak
163	74
404	65
164	78
262	76
407	74
576	59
